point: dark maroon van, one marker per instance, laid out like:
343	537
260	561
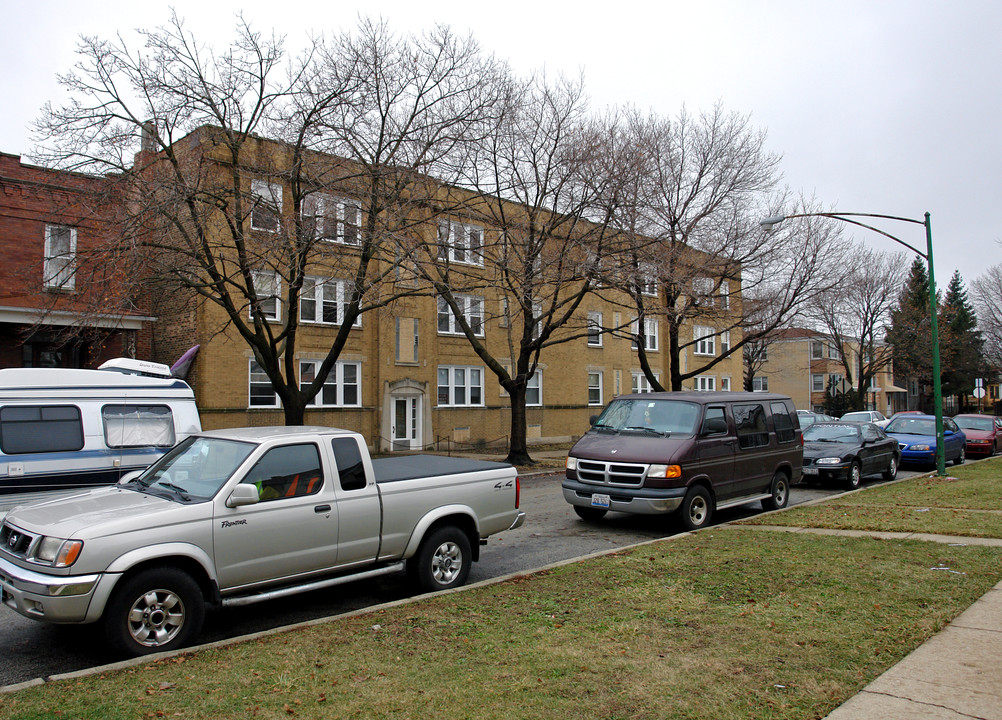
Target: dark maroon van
686	452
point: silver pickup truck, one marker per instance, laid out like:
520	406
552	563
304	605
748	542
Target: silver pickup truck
232	517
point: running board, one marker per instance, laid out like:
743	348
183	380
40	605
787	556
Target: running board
306	587
743	501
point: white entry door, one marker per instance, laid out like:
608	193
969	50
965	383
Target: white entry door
406	432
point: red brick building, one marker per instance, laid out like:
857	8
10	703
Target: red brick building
52	304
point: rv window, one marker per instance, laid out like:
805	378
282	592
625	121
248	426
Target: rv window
138	426
39	429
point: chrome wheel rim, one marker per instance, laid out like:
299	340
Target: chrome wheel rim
156	618
447	563
697	510
854	476
779	497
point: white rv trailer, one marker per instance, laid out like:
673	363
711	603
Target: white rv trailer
66	429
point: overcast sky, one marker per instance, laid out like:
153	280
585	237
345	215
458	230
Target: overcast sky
877	106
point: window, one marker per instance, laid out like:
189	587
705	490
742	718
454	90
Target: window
783	422
325	302
833	352
650	334
460	386
641	384
705	341
595	329
266	286
534	390
817	383
60	256
705	383
333	218
287	471
40	428
458	242
750	422
350	469
138	426
702	291
725	341
472	309
407	340
595	388
725	295
817	350
725	384
648	281
760	384
340	388
913	387
714	422
267	205
261	393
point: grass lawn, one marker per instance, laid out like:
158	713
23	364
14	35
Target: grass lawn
732	624
967	503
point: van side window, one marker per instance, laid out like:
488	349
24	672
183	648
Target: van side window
287	471
39	429
138	426
714	422
784	423
750	422
349	463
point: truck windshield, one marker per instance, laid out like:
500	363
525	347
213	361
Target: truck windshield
195	469
659	416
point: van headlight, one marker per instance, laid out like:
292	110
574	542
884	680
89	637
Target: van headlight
57	552
664	471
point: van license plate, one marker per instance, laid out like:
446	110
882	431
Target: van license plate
602	501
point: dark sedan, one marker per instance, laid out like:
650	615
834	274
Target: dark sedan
846	452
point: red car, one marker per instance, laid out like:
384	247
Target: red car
983	433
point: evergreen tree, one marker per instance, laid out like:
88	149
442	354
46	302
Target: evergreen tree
910	332
960	341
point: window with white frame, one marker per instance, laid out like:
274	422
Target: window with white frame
640	383
650	333
648	281
595	329
833	351
706	341
725	294
335	219
817	383
266	287
725	384
472	309
324	301
267	205
725	341
595	388
59	271
702	290
460	386
705	383
534	390
340	388
460	242
260	392
760	384
817	350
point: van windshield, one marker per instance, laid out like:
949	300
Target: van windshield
654	416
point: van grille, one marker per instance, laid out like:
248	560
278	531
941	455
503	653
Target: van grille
604	473
14	541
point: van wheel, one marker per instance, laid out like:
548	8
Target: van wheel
442	561
589	514
855	475
779	493
696	509
157	610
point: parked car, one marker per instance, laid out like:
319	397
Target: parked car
846	452
916	436
687	452
865	416
808	417
982	431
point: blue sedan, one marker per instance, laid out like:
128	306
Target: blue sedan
916	436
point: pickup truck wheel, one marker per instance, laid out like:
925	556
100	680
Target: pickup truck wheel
157	610
779	493
589	514
443	560
696	509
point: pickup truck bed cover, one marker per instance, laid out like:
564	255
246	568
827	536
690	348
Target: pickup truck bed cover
412	467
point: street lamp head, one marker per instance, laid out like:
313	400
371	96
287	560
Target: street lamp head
769	224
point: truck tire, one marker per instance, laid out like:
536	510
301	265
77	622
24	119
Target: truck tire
443	560
157	610
696	509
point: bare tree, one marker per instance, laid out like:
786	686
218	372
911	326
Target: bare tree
986	292
857	313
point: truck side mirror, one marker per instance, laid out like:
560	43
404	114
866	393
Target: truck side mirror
243	494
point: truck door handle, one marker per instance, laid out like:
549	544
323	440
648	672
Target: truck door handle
322	509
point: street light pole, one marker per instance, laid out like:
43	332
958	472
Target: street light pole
937	385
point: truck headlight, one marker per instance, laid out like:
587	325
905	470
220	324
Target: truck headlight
664	471
57	552
572	463
828	461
